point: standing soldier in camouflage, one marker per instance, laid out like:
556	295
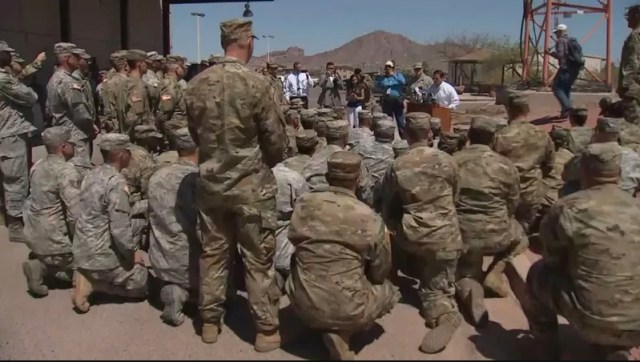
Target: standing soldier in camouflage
277	83
50	213
110	86
82	74
532	151
629	78
106	257
315	170
589	271
489	193
580	134
132	96
174	248
151	80
235	119
420	81
172	110
66	99
307	142
377	156
16	100
419	196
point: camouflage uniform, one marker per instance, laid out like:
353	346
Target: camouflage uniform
580	135
68	106
29	69
166	158
236	190
628	80
321	128
174	248
344	241
532	151
50	213
172	110
377	156
590	264
16	101
308	118
489	194
314	171
362	134
305	139
399	148
419	194
109	92
103	246
553	181
291	185
132	100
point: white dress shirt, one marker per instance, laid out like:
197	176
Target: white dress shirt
444	94
297	85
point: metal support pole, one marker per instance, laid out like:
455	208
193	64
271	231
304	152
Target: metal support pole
547	43
198	16
609	15
527	46
268	37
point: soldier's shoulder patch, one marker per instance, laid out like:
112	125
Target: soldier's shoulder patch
136	98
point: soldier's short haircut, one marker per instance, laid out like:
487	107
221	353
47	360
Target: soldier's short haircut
5	59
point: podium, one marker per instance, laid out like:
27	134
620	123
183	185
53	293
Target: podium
435	111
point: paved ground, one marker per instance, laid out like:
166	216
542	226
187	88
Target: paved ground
48	328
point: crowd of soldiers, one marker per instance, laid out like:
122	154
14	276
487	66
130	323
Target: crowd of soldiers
223	171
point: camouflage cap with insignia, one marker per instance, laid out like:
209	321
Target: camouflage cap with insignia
235	29
84	55
66	48
144	131
337	129
602	160
17	58
418	120
307	138
182	139
4	47
607	125
484	124
343	165
400	147
384	131
114	141
135	55
55	136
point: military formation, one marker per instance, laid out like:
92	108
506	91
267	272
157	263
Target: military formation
220	176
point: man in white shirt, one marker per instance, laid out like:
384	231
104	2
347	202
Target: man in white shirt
298	85
441	92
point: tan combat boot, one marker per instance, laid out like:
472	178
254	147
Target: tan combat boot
210	332
471	296
495	281
338	345
267	341
438	338
34	271
81	292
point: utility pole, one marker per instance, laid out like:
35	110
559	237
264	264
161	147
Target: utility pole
268	37
198	16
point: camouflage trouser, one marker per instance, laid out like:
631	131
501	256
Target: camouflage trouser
57	266
550	294
15	173
437	285
470	263
251	227
119	281
83	149
140	222
631	108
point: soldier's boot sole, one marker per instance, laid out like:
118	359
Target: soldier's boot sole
210	333
33	272
338	346
471	294
173	298
437	339
81	292
267	341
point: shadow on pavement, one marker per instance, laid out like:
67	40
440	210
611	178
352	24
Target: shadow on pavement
548	120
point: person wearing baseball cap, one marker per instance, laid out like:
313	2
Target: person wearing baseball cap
628	68
420	80
568	67
392	85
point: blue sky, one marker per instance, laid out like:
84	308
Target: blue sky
319	25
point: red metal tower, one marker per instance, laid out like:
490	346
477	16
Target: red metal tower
537	26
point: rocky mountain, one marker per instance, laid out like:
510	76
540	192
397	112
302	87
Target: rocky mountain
368	51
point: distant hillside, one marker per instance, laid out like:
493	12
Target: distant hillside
368	51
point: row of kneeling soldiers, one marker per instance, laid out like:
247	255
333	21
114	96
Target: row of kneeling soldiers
376	209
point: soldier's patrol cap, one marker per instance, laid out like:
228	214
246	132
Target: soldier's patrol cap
400	147
235	29
117	55
114	141
4	47
435	123
66	48
84	55
502	122
17	58
365	114
214	59
379	116
173	60
384	130
136	54
602	159
417	66
607	125
484	124
321	123
145	131
306	138
182	139
344	165
560	135
154	56
324	112
307	114
515	98
418	120
579	111
293	114
55	136
337	128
